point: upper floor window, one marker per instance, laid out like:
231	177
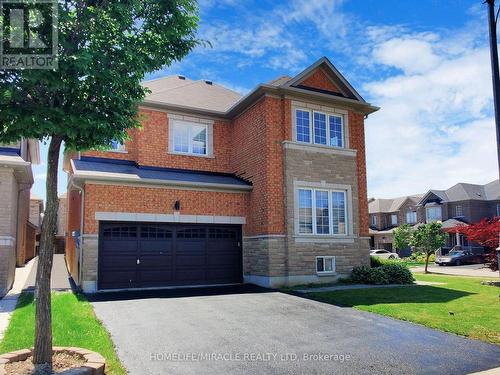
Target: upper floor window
498	209
394	219
373	220
411	217
322	211
117	146
190	138
433	214
325	128
459	211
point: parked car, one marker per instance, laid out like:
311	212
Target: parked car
459	257
385	254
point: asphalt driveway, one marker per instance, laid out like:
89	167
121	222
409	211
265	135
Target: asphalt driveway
255	331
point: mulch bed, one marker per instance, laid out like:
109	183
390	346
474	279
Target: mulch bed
60	362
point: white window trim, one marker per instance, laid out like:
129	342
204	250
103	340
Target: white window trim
334	265
209	146
498	209
394	222
123	150
373	220
347	189
328	112
461	210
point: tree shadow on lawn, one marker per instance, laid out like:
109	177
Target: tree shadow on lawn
396	295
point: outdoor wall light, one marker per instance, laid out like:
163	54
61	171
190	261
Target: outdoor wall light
177	205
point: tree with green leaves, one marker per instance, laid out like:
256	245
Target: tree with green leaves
428	238
402	236
105	50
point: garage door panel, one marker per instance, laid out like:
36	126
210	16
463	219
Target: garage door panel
168	254
156	261
119	262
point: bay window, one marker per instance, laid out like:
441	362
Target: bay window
330	212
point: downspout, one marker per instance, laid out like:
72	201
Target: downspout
80	253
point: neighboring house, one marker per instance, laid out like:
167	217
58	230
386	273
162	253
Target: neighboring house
36	211
269	188
461	204
36	214
17	235
62	224
387	214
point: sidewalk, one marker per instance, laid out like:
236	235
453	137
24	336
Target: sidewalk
25	279
9	302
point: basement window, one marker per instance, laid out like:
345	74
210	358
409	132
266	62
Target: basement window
325	265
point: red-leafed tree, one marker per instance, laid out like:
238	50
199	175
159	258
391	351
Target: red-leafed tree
485	233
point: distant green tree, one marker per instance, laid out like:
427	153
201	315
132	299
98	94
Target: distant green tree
402	236
428	238
105	49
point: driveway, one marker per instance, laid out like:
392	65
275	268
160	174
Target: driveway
479	270
254	331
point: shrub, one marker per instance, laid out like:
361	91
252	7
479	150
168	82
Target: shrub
376	262
361	274
387	273
419	256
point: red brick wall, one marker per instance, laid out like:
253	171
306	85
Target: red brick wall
114	198
319	80
357	142
257	152
73	211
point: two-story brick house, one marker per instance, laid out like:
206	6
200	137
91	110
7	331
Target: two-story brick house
460	204
269	188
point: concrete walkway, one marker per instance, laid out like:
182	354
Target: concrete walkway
25	279
478	270
9	302
363	286
59	279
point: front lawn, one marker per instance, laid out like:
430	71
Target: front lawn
73	324
462	305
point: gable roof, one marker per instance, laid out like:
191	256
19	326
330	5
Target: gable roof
331	71
464	191
388	205
208	98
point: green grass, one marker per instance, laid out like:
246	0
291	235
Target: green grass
476	307
73	324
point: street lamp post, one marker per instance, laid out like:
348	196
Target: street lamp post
495	76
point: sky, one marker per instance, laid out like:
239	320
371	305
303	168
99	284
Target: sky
425	63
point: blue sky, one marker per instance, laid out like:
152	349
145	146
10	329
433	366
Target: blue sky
425	63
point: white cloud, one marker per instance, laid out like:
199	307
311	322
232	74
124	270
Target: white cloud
40	176
435	127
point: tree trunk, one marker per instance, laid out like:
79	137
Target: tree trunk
427	256
42	356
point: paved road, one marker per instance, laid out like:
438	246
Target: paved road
479	270
246	327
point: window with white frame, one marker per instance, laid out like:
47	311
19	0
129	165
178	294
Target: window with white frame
433	213
459	211
322	211
411	217
319	128
498	209
117	146
325	265
394	219
190	138
373	220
